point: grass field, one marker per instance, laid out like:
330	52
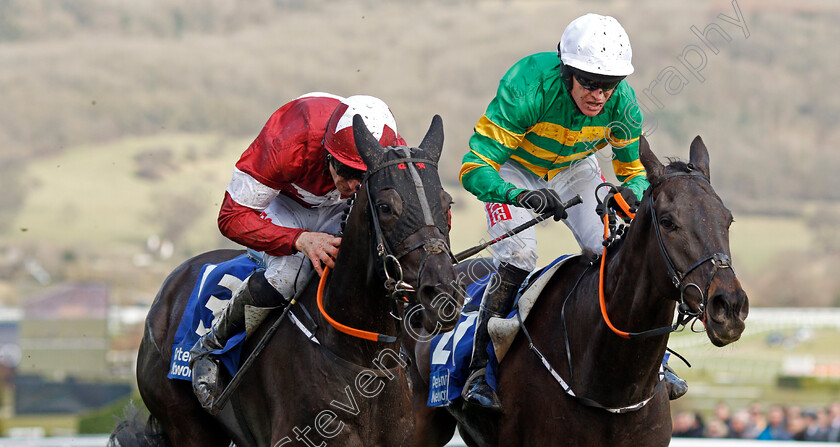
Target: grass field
120	193
108	199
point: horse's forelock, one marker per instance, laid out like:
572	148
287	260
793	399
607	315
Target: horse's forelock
677	165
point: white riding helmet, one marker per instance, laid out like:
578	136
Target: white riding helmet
596	44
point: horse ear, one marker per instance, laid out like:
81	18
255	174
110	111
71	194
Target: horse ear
433	141
700	156
368	146
652	164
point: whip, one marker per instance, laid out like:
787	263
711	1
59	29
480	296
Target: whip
472	251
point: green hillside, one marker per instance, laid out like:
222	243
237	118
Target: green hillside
104	202
125	191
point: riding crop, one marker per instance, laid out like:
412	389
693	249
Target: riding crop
474	250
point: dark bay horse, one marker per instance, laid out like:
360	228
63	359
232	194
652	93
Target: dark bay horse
347	390
675	251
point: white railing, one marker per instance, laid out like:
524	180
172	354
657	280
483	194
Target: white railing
770	319
76	441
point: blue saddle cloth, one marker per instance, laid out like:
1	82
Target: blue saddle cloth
451	351
208	299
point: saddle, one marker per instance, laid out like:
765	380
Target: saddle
503	330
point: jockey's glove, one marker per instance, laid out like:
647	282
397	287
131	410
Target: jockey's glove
629	196
543	201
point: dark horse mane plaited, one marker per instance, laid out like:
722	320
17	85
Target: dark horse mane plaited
341	389
682	223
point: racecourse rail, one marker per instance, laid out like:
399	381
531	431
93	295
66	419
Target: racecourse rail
771	319
100	441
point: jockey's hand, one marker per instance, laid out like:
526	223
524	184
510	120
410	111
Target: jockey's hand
543	201
319	248
629	197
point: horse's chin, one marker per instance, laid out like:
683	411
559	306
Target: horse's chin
441	307
724	334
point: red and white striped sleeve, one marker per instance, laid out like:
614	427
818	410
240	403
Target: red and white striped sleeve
271	162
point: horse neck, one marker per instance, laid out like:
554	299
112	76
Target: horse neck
355	295
637	292
636	285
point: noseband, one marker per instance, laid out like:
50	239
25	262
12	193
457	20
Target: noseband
387	263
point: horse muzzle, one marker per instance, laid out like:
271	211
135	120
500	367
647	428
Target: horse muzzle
726	310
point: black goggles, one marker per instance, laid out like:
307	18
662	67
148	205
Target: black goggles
596	84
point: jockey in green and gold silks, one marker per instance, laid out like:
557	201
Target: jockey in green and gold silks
535	148
534	123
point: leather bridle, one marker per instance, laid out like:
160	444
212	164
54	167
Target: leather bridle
678	279
387	262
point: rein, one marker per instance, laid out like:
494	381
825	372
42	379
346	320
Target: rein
358	333
567	388
393	283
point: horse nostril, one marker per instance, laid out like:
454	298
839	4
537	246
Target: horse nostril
745	305
728	306
717	308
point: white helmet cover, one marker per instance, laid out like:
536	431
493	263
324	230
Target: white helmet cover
596	44
338	139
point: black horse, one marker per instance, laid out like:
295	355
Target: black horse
349	388
675	251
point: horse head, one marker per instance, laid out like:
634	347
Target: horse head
410	213
690	228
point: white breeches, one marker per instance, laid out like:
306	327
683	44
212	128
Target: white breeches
521	250
288	273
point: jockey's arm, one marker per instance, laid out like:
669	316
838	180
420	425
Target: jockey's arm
628	167
247	226
490	148
516	107
623	135
480	176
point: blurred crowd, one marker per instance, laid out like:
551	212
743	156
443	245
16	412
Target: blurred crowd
777	422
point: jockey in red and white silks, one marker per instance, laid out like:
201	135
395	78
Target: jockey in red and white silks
284	201
281	186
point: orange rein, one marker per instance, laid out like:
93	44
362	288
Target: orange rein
626	208
358	333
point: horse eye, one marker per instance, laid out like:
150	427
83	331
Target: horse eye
667	224
384	207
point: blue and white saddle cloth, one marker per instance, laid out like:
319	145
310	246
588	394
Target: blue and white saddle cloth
451	351
207	301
